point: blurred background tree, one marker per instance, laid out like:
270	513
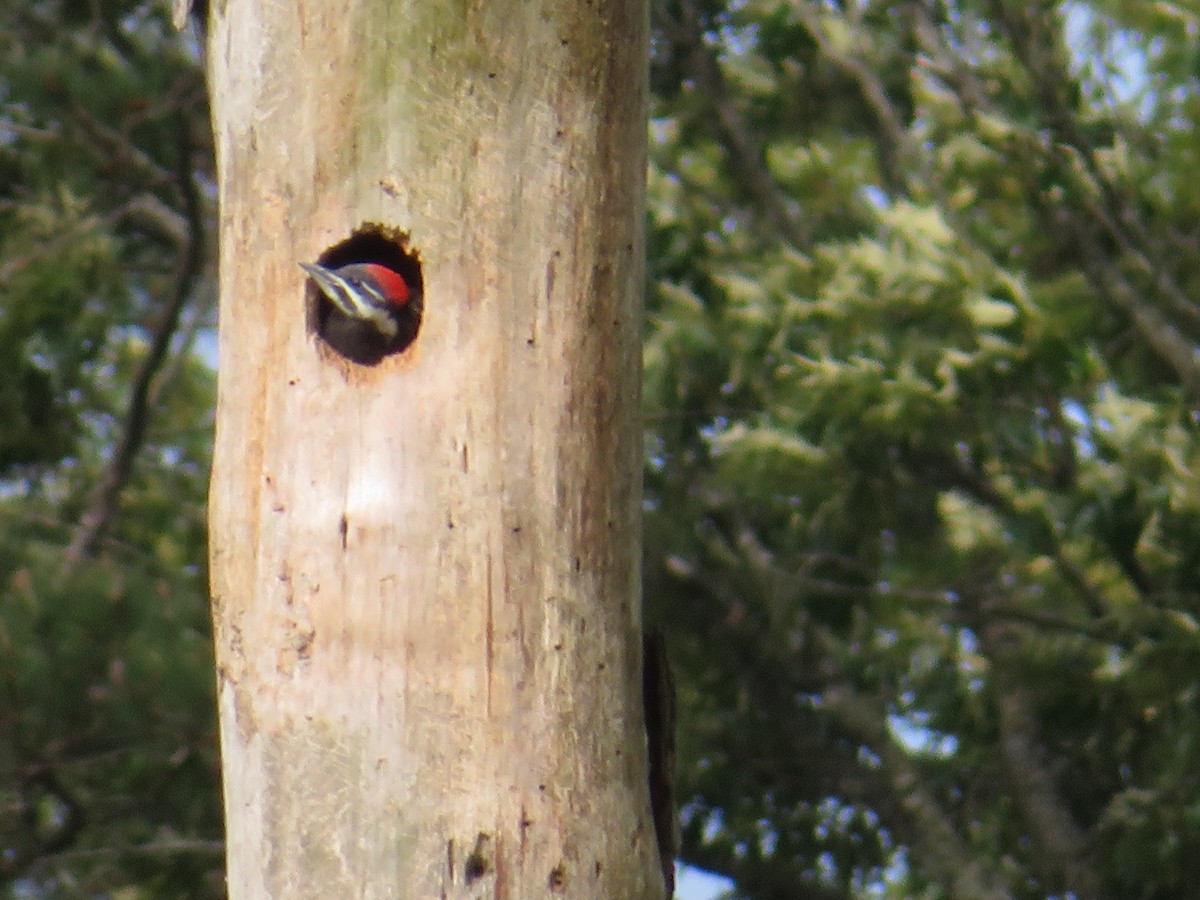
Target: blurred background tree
921	395
109	775
922	384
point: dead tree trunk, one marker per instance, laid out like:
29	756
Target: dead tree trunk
425	572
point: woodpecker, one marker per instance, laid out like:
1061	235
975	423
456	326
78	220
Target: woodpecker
372	309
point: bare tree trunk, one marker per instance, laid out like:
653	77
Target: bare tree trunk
425	572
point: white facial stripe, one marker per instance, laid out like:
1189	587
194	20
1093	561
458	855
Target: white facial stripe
368	288
372	305
334	287
346	295
358	300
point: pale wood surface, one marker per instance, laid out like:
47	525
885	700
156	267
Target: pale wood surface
425	574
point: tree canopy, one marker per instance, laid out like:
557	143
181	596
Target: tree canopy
109	775
921	393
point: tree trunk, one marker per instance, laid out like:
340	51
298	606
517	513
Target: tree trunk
425	572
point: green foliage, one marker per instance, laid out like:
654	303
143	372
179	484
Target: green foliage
108	761
923	515
920	384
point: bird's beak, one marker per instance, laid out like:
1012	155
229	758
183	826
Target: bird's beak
332	286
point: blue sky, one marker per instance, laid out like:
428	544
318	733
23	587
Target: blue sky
696	884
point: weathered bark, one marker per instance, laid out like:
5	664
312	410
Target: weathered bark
425	573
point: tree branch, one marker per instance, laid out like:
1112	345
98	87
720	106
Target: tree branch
1072	156
103	503
1038	48
891	137
742	146
1058	846
897	789
923	823
944	472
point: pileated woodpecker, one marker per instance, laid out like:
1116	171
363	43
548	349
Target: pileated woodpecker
373	311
